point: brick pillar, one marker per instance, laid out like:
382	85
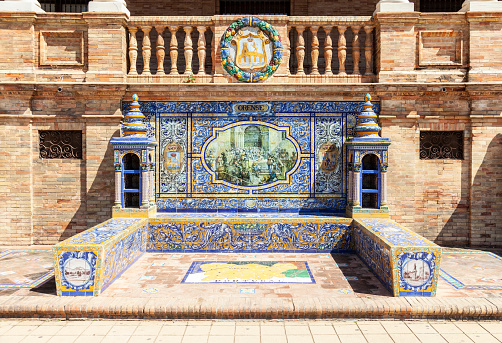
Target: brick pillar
107	42
485	40
396	46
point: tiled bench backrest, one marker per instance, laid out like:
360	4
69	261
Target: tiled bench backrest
87	263
406	263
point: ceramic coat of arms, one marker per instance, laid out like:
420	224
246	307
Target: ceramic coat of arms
251	50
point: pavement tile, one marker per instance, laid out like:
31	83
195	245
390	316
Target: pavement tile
444	328
430	338
407	337
220	339
12	339
150	330
20	330
222	330
297	330
325	339
36	339
196	330
67	339
72	331
273	339
141	339
101	330
456	338
300	339
421	328
347	329
470	327
115	339
172	330
46	330
276	330
247	330
396	327
492	327
482	338
246	339
371	329
122	330
354	338
322	330
378	338
170	339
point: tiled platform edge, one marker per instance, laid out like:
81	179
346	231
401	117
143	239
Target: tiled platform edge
87	263
405	262
249	308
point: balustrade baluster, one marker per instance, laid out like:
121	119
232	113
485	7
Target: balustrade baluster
173	50
356	48
161	53
133	50
213	52
287	52
368	49
201	49
147	49
342	50
188	50
328	50
315	50
300	50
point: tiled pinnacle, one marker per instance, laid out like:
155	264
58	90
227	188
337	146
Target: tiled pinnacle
367	122
134	120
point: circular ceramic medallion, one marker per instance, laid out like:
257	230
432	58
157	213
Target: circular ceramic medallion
251	49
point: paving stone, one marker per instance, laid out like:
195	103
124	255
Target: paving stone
378	338
430	338
444	328
468	328
273	339
325	339
300	339
482	338
456	338
355	338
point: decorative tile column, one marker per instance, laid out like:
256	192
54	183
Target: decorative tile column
21	6
108	6
481	6
394	6
367	142
135	141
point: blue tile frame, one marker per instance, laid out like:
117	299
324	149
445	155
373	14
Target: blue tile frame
280	199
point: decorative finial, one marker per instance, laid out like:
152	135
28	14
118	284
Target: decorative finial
135	97
134	124
367	121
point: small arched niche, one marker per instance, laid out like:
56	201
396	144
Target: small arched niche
370	181
131	181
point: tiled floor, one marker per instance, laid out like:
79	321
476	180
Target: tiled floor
341	275
108	331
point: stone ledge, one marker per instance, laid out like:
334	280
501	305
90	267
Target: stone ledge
249	308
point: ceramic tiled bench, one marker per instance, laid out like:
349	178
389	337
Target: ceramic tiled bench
87	263
406	263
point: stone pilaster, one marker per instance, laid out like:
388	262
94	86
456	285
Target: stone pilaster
109	6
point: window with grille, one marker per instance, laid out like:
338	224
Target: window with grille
440	5
255	7
66	6
441	145
60	144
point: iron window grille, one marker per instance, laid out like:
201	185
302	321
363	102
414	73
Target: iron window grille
255	7
440	5
441	145
60	144
64	6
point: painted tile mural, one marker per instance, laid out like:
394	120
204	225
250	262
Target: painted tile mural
250	156
249	272
248	234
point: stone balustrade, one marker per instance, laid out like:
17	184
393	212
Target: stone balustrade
185	49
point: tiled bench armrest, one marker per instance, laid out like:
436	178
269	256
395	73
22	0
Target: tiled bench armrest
405	262
87	263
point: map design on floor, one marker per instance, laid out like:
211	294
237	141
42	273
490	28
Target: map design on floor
249	272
